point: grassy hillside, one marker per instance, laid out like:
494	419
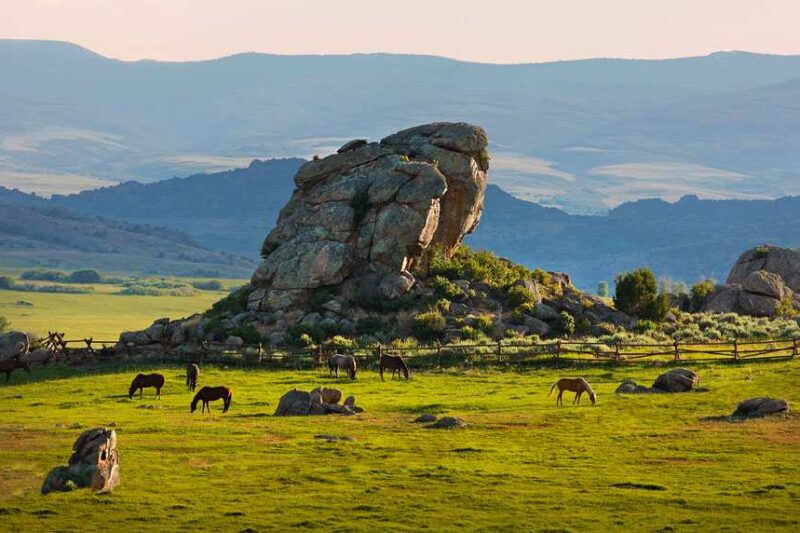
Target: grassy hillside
636	463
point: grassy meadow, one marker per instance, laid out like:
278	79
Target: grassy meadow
639	463
101	314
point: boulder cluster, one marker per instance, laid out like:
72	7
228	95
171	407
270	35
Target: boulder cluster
764	282
675	380
320	401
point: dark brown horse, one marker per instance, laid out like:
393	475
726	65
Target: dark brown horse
192	375
395	363
210	394
143	381
9	365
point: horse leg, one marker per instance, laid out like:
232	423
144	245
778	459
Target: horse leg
577	399
380	369
558	399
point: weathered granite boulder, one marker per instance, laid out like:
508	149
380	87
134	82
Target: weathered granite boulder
784	262
94	464
13	344
630	387
677	380
448	422
374	208
301	403
760	406
765	283
328	395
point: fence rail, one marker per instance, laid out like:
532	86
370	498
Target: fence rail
436	354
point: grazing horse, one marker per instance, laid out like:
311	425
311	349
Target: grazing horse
393	362
210	394
347	362
192	375
9	365
143	381
576	385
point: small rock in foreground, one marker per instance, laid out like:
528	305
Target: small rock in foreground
449	422
760	406
425	419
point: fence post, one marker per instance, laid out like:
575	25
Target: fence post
89	345
735	349
677	351
558	348
499	350
794	347
439	355
616	353
203	350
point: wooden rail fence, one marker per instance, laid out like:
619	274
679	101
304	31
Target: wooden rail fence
437	354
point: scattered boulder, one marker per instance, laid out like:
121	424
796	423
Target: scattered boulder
759	407
350	401
301	403
783	262
677	380
448	422
14	344
39	356
94	464
425	419
334	438
629	387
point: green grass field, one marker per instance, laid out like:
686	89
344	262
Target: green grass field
641	463
101	314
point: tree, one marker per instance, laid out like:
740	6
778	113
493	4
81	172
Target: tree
567	323
700	293
85	276
602	289
637	295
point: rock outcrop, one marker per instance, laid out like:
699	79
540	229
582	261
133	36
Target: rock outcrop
302	403
369	212
94	464
760	406
13	344
762	282
675	380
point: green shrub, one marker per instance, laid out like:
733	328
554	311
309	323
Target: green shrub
485	323
446	288
6	283
360	205
637	295
44	275
481	266
566	323
210	285
517	317
700	293
85	276
305	340
468	332
786	308
761	251
518	295
645	326
342	344
247	332
370	325
429	326
320	297
443	305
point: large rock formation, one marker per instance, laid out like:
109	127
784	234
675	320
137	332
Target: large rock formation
94	464
762	282
364	217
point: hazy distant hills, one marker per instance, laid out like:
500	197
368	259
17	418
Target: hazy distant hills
581	135
53	237
233	211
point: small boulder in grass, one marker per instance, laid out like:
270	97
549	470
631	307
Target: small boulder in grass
425	419
448	422
759	407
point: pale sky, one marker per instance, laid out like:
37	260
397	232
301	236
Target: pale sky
498	31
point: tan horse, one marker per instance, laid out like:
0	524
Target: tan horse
210	394
576	385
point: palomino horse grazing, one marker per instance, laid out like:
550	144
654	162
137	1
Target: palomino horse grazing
192	375
143	381
347	362
393	362
576	385
210	394
9	365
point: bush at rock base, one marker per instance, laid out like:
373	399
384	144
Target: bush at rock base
429	326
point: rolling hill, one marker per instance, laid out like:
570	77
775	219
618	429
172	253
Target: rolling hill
580	135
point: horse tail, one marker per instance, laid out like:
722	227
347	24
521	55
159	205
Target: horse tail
404	365
552	389
228	399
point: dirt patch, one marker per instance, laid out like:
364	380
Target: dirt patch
272	439
639	486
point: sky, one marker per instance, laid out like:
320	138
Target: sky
496	31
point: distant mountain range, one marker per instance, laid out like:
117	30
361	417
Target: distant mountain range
687	240
580	135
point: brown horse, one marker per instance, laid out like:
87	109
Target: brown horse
210	394
9	365
192	375
395	363
576	385
143	381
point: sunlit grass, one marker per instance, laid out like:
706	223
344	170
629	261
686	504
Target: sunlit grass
632	462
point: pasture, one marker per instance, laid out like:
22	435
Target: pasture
101	314
641	463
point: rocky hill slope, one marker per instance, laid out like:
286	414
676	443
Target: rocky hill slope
370	244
